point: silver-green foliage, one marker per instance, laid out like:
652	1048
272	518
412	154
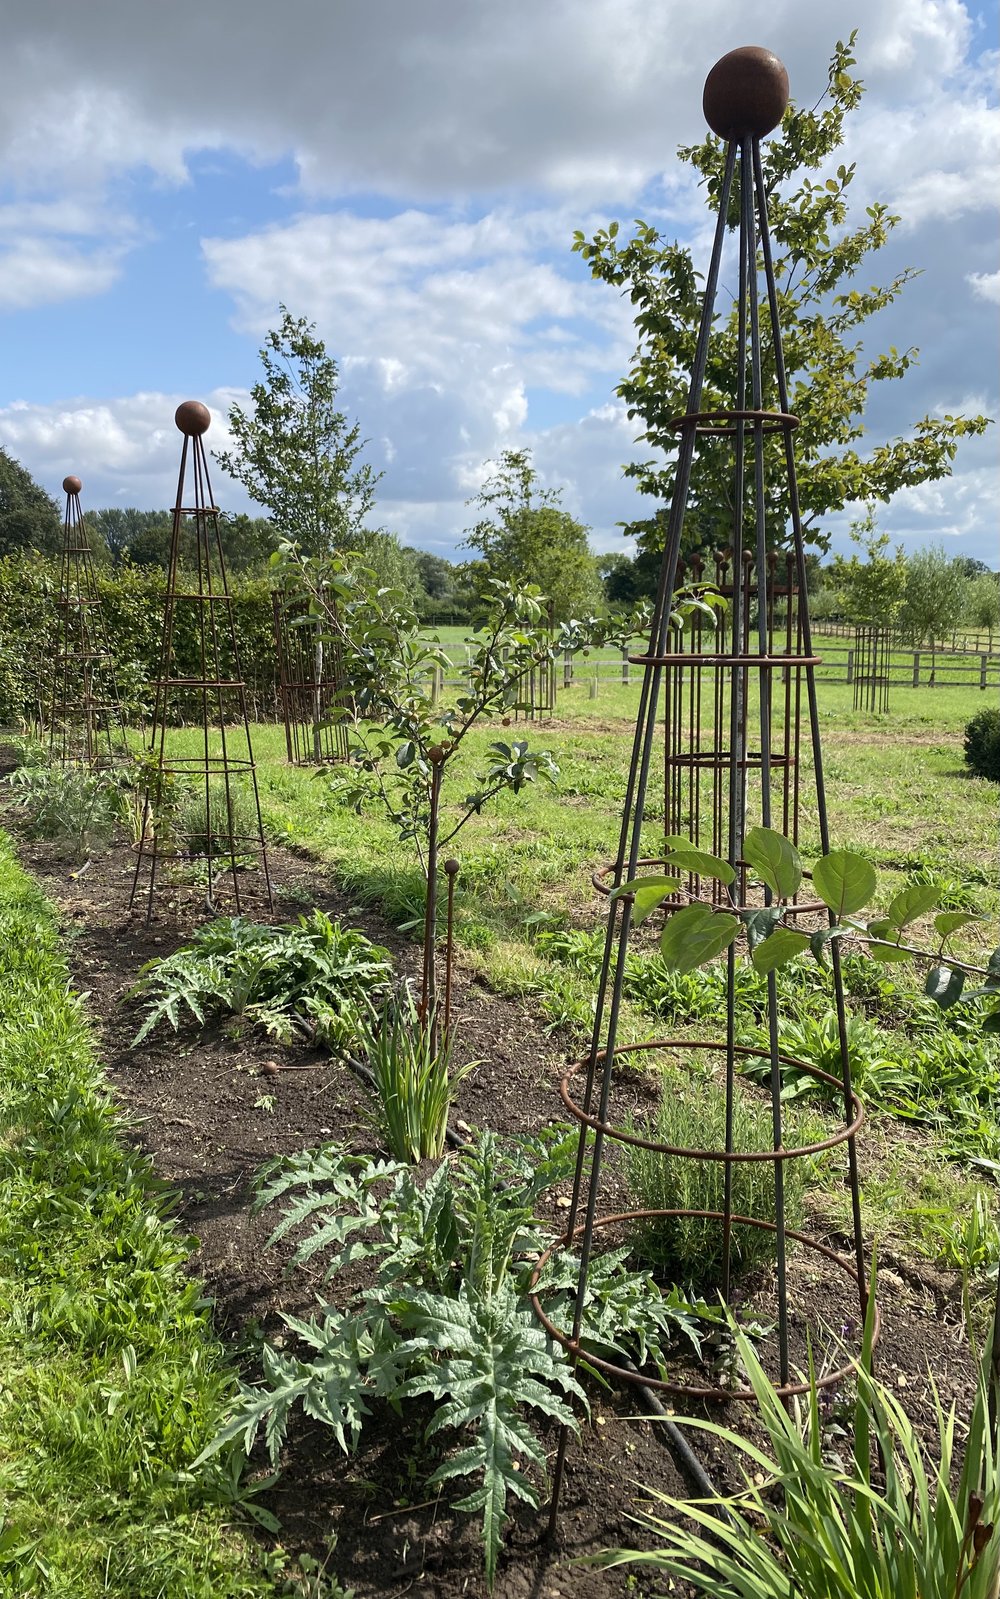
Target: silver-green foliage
71	805
829	1532
307	977
690	1248
447	1314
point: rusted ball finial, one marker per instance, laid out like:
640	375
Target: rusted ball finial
746	92
193	418
72	485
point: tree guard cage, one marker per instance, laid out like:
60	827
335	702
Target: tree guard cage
201	824
699	706
727	708
311	680
84	711
537	688
872	652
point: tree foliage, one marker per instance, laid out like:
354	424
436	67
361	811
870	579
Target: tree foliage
524	536
819	252
936	595
29	518
870	592
296	454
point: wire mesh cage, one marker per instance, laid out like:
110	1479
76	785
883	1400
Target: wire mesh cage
311	681
201	832
872	662
85	724
734	713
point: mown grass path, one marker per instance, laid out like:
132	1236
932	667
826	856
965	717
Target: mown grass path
111	1379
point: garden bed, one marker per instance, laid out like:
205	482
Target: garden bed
209	1108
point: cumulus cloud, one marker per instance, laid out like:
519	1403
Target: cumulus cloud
986	285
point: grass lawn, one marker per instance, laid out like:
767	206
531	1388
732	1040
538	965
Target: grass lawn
111	1378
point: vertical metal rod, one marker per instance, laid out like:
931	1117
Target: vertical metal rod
821	808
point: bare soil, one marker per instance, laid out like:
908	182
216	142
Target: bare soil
209	1108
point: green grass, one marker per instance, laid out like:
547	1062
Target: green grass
111	1380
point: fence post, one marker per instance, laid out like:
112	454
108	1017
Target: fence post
850	666
567	668
916	669
593	685
624	663
983	663
437	683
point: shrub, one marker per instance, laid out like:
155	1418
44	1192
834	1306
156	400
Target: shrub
689	1249
982	744
71	805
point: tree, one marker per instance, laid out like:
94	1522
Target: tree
525	537
392	565
983	604
817	256
870	592
29	518
935	598
296	454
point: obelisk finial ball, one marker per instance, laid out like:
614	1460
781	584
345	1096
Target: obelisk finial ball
746	92
72	485
193	418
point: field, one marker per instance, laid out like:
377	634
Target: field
208	1105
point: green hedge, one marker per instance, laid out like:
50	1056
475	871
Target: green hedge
132	602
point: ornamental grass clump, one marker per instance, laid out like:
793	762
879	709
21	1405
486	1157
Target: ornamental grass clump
805	1529
410	1060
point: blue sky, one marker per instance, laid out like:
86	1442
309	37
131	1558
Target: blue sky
410	177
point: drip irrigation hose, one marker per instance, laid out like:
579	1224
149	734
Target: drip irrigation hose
684	1455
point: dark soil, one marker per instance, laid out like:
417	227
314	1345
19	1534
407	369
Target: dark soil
210	1108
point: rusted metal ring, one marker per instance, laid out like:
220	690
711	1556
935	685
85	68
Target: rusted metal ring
730	1157
675	901
682	658
684	1390
717	423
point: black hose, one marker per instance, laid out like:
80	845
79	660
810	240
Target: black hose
685	1456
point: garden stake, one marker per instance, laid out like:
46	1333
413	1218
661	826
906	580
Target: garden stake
84	711
199	599
452	869
733	708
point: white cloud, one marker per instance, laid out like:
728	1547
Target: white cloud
986	285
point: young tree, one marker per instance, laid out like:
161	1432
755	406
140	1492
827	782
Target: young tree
296	454
870	592
935	598
983	606
817	256
29	518
524	537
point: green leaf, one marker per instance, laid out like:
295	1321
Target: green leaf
695	935
774	859
944	985
691	859
782	946
648	892
992	979
911	903
992	1022
948	922
844	881
819	940
760	923
891	953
